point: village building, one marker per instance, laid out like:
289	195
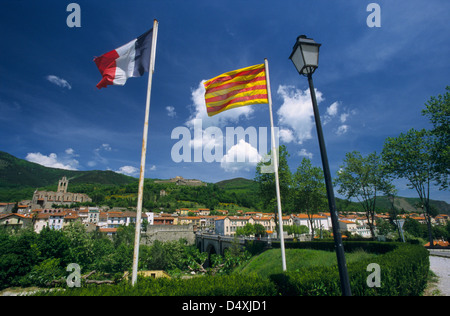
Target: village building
15	221
46	199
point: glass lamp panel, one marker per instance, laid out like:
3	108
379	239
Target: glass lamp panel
311	54
297	59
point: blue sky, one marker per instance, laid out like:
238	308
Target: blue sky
372	83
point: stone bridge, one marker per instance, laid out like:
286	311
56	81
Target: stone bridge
217	244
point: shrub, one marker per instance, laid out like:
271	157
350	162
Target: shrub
228	285
404	271
43	273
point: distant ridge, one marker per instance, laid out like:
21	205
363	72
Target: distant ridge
19	177
382	204
19	173
237	183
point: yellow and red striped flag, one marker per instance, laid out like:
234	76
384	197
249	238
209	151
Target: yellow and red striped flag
236	88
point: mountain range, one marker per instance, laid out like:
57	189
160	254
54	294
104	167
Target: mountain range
19	178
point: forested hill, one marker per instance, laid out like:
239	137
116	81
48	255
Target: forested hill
19	178
19	173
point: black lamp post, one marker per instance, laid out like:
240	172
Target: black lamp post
305	56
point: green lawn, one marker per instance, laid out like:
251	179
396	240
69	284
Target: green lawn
269	262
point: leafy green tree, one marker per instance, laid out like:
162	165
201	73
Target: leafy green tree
44	273
309	191
125	235
80	250
440	232
363	178
437	109
384	227
260	230
266	185
249	229
413	227
53	244
266	182
296	230
410	156
18	254
103	248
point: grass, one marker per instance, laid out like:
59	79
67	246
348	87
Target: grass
432	285
269	262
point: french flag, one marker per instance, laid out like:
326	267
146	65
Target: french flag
129	60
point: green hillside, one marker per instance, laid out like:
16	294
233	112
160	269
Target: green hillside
242	185
19	177
269	262
238	184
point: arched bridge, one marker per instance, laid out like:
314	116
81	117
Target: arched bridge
217	244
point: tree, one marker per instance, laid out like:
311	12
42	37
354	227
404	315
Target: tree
80	245
363	178
410	156
19	253
296	229
247	230
438	111
260	230
266	184
413	227
310	194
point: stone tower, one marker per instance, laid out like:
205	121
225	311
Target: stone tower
62	185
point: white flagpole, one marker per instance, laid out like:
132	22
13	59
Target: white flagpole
275	166
137	235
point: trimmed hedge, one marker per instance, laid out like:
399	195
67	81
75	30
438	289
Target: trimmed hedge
403	272
226	285
349	246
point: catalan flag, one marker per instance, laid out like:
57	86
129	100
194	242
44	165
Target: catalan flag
236	88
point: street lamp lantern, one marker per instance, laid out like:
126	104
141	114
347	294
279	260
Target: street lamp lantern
305	55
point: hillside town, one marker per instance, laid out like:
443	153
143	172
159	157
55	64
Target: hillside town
38	214
107	221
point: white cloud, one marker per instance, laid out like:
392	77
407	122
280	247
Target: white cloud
286	135
105	147
305	153
58	81
221	120
344	116
171	111
295	116
128	170
207	138
241	156
342	129
92	163
70	151
333	109
98	156
52	161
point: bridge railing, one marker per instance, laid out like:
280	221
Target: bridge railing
231	238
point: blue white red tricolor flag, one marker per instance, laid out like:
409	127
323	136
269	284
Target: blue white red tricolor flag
129	60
